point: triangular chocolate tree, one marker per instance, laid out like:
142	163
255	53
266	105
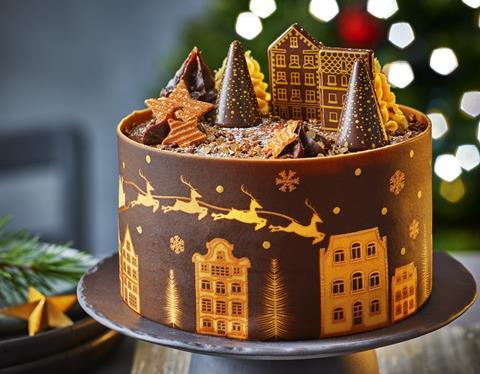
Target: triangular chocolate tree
361	124
197	76
237	104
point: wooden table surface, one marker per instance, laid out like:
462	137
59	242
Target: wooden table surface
453	349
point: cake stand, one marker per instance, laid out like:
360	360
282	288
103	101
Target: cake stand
454	291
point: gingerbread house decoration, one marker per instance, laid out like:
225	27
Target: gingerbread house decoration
404	292
129	277
354	283
309	80
221	291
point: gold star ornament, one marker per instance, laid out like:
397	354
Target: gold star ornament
42	312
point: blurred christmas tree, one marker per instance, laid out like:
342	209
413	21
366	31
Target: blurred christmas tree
429	49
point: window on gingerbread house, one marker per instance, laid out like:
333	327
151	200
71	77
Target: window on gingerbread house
404	292
357	313
293	42
281	77
205	285
207	323
294	61
374	279
371	249
296	112
220	255
206	305
309	61
236	288
220	288
375	306
344	81
338	314
220	307
398	310
332	98
282	94
280	60
295	78
333	117
295	95
356	251
310	96
311	113
236	327
405	307
309	79
331	80
204	267
339	256
237	308
411	291
283	111
236	270
411	304
338	287
398	296
221	326
357	281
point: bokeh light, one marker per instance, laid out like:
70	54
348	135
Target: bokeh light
478	132
447	167
443	61
401	34
472	3
452	191
468	156
439	124
263	8
470	103
399	73
248	25
382	8
323	10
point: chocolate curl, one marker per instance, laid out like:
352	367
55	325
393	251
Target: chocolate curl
237	104
361	124
198	78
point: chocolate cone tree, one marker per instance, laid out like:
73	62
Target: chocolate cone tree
361	125
237	104
197	76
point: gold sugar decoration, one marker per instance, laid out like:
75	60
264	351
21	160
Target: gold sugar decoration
392	116
282	137
259	84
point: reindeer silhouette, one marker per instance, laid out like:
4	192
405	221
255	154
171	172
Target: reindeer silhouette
249	216
191	206
308	231
146	199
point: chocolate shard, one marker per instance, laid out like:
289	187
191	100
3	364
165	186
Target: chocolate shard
197	76
237	104
361	124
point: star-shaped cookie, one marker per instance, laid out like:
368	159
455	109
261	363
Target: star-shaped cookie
190	108
183	133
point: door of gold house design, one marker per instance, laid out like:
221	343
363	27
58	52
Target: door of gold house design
221	291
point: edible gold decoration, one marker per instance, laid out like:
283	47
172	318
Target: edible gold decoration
287	181
281	138
191	206
392	116
146	198
397	182
42	312
404	292
129	275
172	301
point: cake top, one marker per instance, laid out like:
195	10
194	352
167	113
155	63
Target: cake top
323	101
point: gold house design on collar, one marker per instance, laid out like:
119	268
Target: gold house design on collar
309	80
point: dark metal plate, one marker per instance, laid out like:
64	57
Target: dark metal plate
454	291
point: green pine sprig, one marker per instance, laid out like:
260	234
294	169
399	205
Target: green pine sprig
25	261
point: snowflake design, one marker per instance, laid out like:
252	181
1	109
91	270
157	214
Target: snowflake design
177	244
414	229
397	182
287	181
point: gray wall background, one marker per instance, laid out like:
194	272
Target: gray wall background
91	61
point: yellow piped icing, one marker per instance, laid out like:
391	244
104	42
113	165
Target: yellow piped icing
259	85
392	116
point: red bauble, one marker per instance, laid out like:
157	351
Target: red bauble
358	28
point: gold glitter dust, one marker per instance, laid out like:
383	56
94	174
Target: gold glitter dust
266	244
403	251
419	194
412	153
123	164
139	229
384	211
358	172
148	159
336	210
219	189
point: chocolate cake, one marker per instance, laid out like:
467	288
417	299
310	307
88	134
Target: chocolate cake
300	213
